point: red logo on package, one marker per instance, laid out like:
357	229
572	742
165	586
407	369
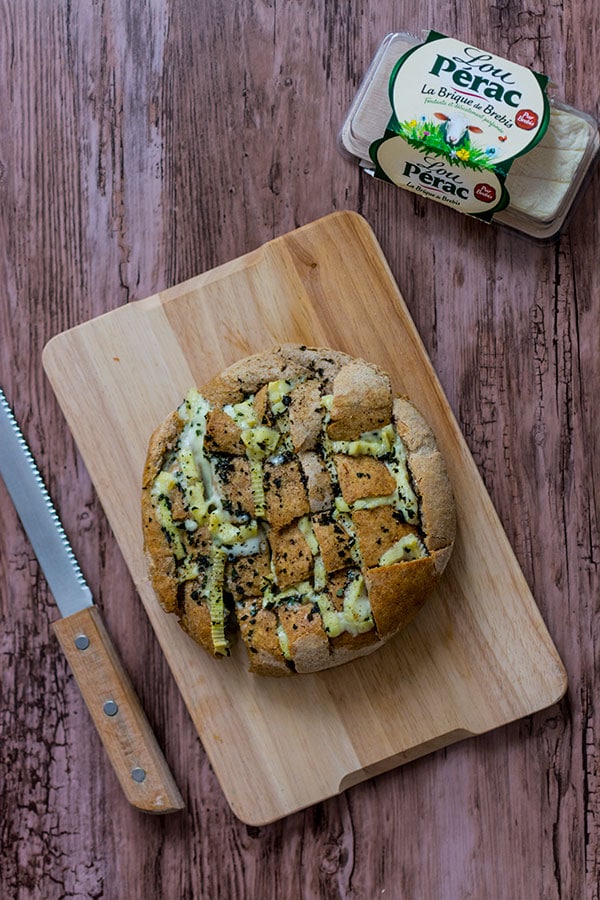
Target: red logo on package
485	192
526	119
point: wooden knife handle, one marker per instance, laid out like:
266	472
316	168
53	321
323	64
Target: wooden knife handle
114	706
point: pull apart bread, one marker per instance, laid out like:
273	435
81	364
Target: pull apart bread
293	496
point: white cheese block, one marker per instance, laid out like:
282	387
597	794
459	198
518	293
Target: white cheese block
539	181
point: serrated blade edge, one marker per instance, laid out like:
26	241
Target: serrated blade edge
40	520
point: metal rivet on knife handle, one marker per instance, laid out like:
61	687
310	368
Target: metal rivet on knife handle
127	737
93	658
110	708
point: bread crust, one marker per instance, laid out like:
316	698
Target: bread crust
330	559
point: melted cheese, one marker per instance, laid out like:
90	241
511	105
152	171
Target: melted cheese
238	540
284	643
216	604
243	414
406	497
370	443
408	547
384	444
355	616
279	392
259	441
319	572
189	470
340	515
163	485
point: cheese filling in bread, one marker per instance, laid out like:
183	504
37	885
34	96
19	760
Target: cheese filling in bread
293	498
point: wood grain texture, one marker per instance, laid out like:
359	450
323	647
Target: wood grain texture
477	656
116	712
149	142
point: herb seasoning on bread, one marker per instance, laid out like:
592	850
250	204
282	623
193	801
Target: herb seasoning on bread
294	499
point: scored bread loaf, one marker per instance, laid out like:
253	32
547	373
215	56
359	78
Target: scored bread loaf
294	499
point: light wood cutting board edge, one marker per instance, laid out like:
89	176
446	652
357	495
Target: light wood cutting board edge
352	231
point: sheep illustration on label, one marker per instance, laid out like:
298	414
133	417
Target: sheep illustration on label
469	113
456	129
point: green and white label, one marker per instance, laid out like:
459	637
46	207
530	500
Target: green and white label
468	190
459	117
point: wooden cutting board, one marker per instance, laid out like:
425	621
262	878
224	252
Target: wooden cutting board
477	656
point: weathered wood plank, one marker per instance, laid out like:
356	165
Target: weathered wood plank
148	142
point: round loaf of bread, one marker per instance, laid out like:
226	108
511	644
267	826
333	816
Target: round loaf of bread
294	500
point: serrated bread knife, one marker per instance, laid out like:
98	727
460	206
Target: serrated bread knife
109	695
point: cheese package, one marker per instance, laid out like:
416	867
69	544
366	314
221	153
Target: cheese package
469	129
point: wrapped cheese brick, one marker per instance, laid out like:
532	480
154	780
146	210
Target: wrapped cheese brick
471	130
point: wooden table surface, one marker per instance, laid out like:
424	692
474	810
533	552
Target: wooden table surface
144	143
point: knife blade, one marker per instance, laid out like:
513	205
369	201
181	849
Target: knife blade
107	690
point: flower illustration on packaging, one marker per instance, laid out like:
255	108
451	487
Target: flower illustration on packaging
459	117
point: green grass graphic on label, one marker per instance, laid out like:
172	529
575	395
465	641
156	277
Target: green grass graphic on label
432	138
